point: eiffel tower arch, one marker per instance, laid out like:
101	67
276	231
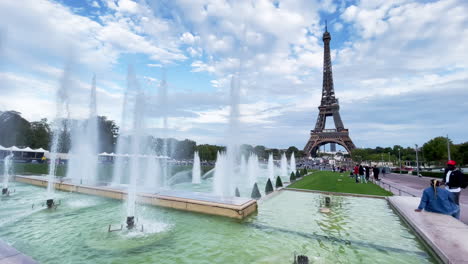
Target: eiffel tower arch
329	106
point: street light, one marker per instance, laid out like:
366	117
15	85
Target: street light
399	158
417	161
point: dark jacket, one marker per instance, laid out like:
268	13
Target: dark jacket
457	179
376	171
367	171
361	170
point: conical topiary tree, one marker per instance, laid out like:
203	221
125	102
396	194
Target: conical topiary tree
268	187
292	177
237	192
304	172
255	192
298	175
279	183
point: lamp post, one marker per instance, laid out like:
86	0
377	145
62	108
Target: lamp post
399	159
448	148
417	161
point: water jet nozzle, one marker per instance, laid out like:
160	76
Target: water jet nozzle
130	222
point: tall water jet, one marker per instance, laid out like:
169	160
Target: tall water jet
7	167
292	163
284	165
271	167
196	170
163	108
228	175
252	169
220	186
243	165
153	173
60	129
137	147
123	144
83	161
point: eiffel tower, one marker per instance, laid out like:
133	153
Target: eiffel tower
329	106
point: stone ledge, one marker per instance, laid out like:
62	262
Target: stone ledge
336	193
238	208
445	235
9	255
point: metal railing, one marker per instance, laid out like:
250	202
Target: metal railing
390	187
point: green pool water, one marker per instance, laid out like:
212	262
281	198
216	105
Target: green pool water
358	230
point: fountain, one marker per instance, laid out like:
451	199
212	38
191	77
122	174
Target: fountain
226	172
196	170
292	163
7	167
62	117
252	169
284	166
271	167
83	159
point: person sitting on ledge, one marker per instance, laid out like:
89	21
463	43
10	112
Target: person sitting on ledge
438	200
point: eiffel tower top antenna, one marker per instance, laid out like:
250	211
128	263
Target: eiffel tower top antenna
326	26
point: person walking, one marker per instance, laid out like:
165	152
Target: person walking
376	172
367	172
454	180
361	174
356	173
438	200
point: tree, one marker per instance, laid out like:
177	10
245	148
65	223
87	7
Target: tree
14	129
292	149
184	149
108	134
40	134
260	151
436	149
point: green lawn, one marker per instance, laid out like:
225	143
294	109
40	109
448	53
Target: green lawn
337	182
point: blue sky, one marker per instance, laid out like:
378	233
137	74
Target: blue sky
400	67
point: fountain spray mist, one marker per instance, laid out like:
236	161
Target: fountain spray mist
7	167
83	161
292	163
196	171
62	117
284	165
271	167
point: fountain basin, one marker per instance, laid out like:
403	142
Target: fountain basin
357	230
234	207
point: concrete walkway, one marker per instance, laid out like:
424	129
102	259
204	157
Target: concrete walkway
415	185
9	255
444	234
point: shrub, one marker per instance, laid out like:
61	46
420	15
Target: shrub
292	177
268	187
237	192
430	174
304	171
279	183
255	192
298	175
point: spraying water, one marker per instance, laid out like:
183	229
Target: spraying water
138	144
271	167
284	165
62	115
7	167
227	175
163	107
196	170
292	164
83	162
253	169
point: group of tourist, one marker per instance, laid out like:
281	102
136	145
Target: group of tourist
444	200
362	174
